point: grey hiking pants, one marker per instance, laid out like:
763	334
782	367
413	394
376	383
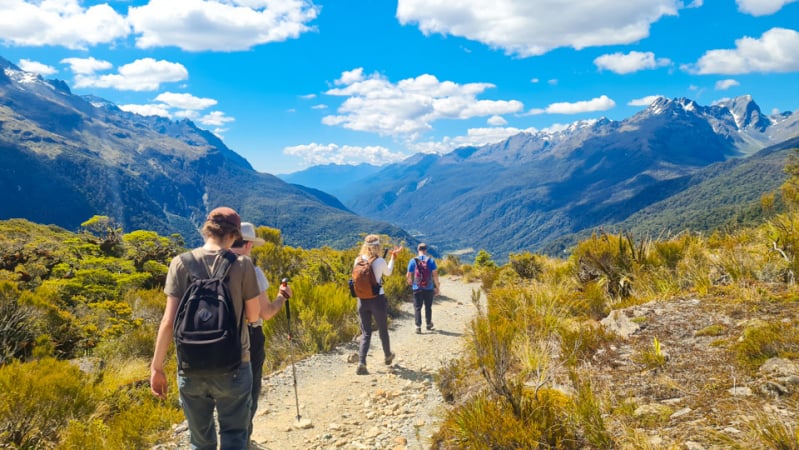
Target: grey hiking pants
378	308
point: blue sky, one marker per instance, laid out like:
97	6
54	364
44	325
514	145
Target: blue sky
293	83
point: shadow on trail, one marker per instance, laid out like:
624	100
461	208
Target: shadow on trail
410	374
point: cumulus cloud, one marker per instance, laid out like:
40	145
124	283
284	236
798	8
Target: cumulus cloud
723	85
147	110
529	28
316	154
631	62
602	103
86	66
215	119
145	74
497	121
777	50
474	137
63	23
408	107
761	7
36	67
224	25
185	101
644	101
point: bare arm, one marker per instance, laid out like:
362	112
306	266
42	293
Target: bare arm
270	309
437	283
158	384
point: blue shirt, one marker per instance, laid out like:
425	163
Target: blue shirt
431	264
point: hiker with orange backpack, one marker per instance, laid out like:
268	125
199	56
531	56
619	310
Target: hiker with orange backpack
367	283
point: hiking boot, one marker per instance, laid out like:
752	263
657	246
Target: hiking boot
430	326
418	330
362	370
390	358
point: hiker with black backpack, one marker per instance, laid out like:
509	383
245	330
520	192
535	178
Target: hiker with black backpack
422	276
269	309
367	283
211	295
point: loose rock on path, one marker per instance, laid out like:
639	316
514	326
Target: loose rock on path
395	407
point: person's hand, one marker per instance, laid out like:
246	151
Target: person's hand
285	291
395	250
158	384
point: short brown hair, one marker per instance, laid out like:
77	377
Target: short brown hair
221	222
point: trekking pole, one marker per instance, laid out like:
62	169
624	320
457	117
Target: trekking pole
284	282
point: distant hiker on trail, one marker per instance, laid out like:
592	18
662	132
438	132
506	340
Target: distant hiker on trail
244	246
207	379
371	266
422	276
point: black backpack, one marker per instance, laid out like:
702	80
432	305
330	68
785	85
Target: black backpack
207	334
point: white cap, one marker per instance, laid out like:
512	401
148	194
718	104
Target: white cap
248	234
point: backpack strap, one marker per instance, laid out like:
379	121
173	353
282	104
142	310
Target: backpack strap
196	270
199	270
223	266
372	270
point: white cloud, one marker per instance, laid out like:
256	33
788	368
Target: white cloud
529	28
320	106
776	51
410	106
86	66
602	103
185	101
215	119
723	85
497	121
761	7
59	22
631	62
474	137
644	101
36	67
224	25
534	80
147	110
144	74
308	96
316	154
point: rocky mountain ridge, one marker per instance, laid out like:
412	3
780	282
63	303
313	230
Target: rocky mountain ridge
530	189
68	157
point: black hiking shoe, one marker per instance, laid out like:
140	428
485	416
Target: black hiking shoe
390	358
430	326
418	330
362	370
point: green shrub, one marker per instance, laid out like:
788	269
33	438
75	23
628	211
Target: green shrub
39	399
763	340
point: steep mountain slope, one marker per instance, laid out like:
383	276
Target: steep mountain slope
715	196
331	178
64	158
531	189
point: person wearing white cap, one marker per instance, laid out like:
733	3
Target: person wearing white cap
244	246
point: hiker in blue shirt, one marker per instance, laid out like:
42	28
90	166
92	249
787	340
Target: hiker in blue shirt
422	276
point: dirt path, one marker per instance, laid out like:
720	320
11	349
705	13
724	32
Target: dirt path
394	407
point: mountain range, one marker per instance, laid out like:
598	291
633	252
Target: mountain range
65	158
674	165
541	191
